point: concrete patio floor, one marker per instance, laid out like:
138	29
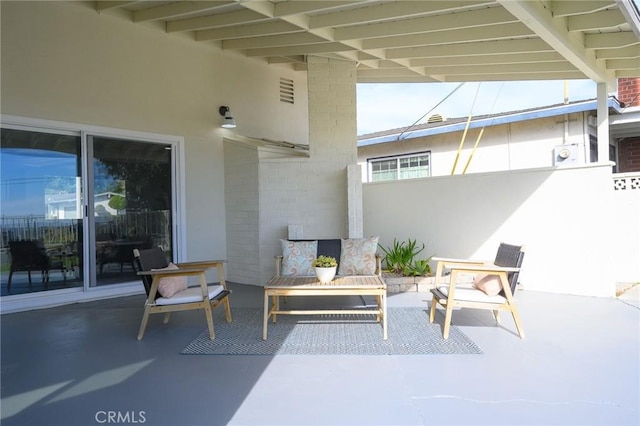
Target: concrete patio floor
72	365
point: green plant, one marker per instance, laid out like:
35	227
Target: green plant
324	262
418	268
401	258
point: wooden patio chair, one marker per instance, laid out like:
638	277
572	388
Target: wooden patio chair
166	286
493	286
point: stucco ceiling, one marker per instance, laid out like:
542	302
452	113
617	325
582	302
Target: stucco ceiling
415	41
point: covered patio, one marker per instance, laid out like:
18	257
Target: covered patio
161	71
72	365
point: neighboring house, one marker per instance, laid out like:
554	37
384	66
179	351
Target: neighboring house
67	206
552	135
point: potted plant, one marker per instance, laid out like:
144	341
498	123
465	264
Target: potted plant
325	267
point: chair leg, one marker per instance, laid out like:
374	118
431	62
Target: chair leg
516	319
496	315
208	314
432	311
447	321
227	309
167	316
9	282
143	325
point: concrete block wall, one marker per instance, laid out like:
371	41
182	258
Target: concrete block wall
311	192
242	211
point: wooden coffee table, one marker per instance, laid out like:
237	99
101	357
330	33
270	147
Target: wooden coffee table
361	285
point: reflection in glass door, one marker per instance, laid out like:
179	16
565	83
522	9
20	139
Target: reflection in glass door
132	203
40	211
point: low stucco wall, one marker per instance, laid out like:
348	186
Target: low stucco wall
563	216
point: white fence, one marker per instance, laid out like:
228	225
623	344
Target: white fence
569	219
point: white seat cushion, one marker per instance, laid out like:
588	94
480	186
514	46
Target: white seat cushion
191	294
471	294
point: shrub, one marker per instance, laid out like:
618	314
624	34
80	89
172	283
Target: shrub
401	258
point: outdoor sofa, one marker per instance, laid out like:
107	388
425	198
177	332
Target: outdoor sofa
358	274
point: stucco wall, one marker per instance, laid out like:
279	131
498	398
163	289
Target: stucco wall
64	61
561	215
625	227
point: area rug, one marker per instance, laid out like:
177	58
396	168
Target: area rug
409	333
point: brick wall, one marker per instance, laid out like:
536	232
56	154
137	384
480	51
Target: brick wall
629	155
628	90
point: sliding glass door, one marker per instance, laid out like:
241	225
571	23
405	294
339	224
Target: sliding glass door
132	203
74	205
40	211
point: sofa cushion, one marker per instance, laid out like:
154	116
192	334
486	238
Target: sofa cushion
358	256
297	257
169	286
330	247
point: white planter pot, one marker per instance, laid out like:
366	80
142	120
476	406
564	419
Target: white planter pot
325	275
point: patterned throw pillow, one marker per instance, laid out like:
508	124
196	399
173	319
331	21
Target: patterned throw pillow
171	285
490	284
297	257
358	256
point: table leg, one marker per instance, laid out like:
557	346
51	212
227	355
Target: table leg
383	302
265	319
276	306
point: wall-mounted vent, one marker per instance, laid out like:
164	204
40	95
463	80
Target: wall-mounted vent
435	118
286	90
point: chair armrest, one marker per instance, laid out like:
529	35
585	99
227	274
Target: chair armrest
278	264
484	268
448	260
172	272
201	263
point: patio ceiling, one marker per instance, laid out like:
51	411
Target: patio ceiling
416	41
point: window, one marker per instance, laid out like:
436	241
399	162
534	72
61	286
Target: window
403	167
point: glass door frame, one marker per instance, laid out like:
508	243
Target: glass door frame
178	186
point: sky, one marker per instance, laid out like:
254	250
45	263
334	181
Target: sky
395	105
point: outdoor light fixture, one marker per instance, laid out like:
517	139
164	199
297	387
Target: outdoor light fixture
228	122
